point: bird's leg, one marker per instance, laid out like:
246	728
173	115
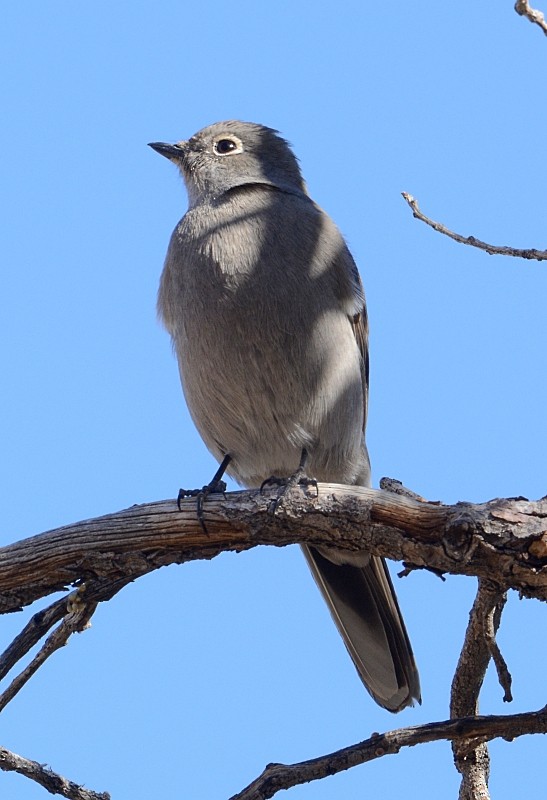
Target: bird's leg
298	478
215	486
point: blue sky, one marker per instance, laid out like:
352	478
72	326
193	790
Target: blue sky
195	677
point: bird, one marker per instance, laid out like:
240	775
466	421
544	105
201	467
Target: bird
266	310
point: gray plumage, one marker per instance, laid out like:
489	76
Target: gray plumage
267	314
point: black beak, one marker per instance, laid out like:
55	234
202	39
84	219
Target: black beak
174	152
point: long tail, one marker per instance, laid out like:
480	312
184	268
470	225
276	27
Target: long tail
364	607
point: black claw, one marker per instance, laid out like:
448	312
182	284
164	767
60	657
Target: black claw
310	482
215	487
183	493
199	509
298	478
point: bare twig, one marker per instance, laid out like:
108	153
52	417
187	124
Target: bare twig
471	758
492	624
91	592
33	631
76	620
284	776
538	255
522	7
484	620
54	783
504	676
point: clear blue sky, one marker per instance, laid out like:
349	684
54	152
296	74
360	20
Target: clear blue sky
195	677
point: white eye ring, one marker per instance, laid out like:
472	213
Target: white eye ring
227	145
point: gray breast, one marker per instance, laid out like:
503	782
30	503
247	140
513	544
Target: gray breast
258	305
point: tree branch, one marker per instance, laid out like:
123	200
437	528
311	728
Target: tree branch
504	540
43	620
77	619
522	7
284	776
539	255
33	631
54	783
471	758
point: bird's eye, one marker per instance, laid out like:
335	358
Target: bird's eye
225	147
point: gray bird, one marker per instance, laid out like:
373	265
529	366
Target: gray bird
267	314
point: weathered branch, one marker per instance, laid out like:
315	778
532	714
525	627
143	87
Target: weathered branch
471	758
522	7
529	253
37	627
79	612
284	776
33	631
54	783
503	540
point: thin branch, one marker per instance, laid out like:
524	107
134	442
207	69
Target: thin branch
54	783
538	255
284	776
76	621
37	627
33	631
471	758
522	7
484	621
504	676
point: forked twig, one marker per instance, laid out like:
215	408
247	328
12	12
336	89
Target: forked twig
471	757
76	620
33	631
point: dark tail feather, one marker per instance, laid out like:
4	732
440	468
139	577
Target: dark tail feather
364	607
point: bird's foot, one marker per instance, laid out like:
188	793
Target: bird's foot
215	486
298	478
201	495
